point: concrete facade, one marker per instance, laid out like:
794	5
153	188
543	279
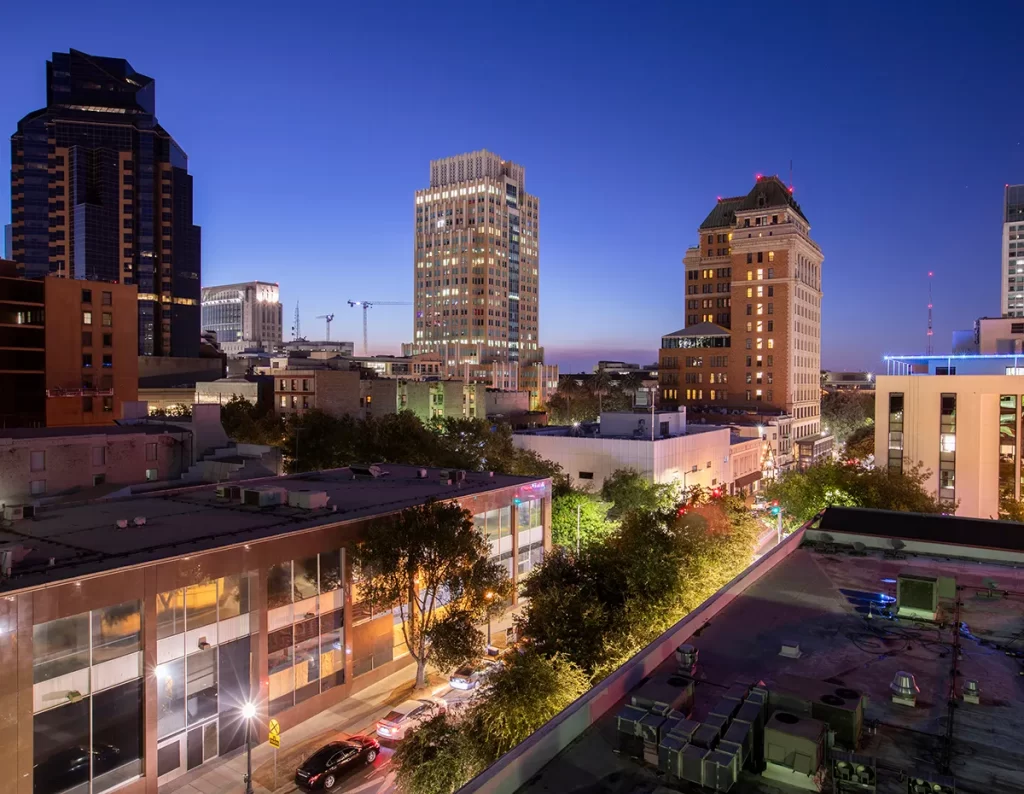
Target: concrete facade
244	316
35	465
965	429
335	392
1011	288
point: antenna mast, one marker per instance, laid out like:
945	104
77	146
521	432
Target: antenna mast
930	346
296	331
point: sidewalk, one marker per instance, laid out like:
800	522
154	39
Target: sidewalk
356	714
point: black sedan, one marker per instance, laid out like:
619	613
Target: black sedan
322	769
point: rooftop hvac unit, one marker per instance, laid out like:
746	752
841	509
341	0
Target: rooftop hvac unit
721	770
706	736
752	714
421	474
917	596
121	523
665	691
627	724
795	743
264	497
307	500
693	763
460	476
741	734
727	707
842	710
670	756
229	491
930	784
139	521
684	729
853	773
14	512
717	721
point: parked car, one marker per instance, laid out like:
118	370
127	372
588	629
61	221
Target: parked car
409	715
323	769
470	676
70	767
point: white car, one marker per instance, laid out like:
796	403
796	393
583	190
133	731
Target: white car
409	715
470	676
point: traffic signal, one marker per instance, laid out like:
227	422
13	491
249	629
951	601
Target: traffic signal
776	510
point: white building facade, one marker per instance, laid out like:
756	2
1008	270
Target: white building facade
244	316
695	455
965	429
1012	287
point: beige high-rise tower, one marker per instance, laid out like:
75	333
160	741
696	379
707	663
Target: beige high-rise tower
477	274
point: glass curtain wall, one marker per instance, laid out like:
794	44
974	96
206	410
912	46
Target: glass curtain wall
87	700
307	656
1007	450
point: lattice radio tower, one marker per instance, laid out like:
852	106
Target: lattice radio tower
296	330
930	346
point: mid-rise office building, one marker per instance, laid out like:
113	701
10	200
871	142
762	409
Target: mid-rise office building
68	350
137	645
959	416
1012	260
477	274
752	341
8	241
244	316
100	191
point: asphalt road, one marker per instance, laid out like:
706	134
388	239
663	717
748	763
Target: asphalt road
378	778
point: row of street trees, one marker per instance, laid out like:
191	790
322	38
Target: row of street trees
645	558
583	401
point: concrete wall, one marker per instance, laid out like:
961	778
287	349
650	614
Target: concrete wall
976	476
506	403
69	462
666	460
627	423
337	392
165	371
516	767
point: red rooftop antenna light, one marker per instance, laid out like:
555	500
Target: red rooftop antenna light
930	349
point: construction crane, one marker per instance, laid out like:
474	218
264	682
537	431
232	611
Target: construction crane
329	318
369	305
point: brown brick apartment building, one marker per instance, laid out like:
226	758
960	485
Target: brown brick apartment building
68	350
752	340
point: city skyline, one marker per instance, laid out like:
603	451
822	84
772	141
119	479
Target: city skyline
873	151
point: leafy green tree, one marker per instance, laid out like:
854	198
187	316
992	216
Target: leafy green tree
398	438
247	423
803	494
630	491
456	640
594	525
428	554
315	440
861	443
844	412
439	757
529	691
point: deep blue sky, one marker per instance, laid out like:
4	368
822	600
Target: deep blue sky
309	126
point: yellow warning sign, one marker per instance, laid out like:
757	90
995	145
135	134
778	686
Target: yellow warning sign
274	734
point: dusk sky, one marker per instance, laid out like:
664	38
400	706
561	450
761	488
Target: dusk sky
309	126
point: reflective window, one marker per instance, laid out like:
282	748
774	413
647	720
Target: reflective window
332	649
118	732
201	686
233	597
279	668
60	647
200	605
116	631
61	748
330	571
307	659
279	585
170	613
306	579
170	697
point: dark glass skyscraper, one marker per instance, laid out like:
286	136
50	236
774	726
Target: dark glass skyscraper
99	190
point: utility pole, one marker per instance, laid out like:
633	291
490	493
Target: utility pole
578	509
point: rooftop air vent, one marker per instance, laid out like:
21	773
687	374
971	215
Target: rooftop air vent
121	523
686	658
139	521
791	649
904	689
971	692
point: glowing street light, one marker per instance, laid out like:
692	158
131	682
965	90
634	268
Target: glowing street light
488	596
248	713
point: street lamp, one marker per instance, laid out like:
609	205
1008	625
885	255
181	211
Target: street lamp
488	596
248	712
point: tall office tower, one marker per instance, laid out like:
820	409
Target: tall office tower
8	241
244	316
476	269
752	339
100	191
1012	291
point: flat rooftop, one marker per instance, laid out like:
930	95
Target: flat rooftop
830	603
145	428
85	539
593	430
